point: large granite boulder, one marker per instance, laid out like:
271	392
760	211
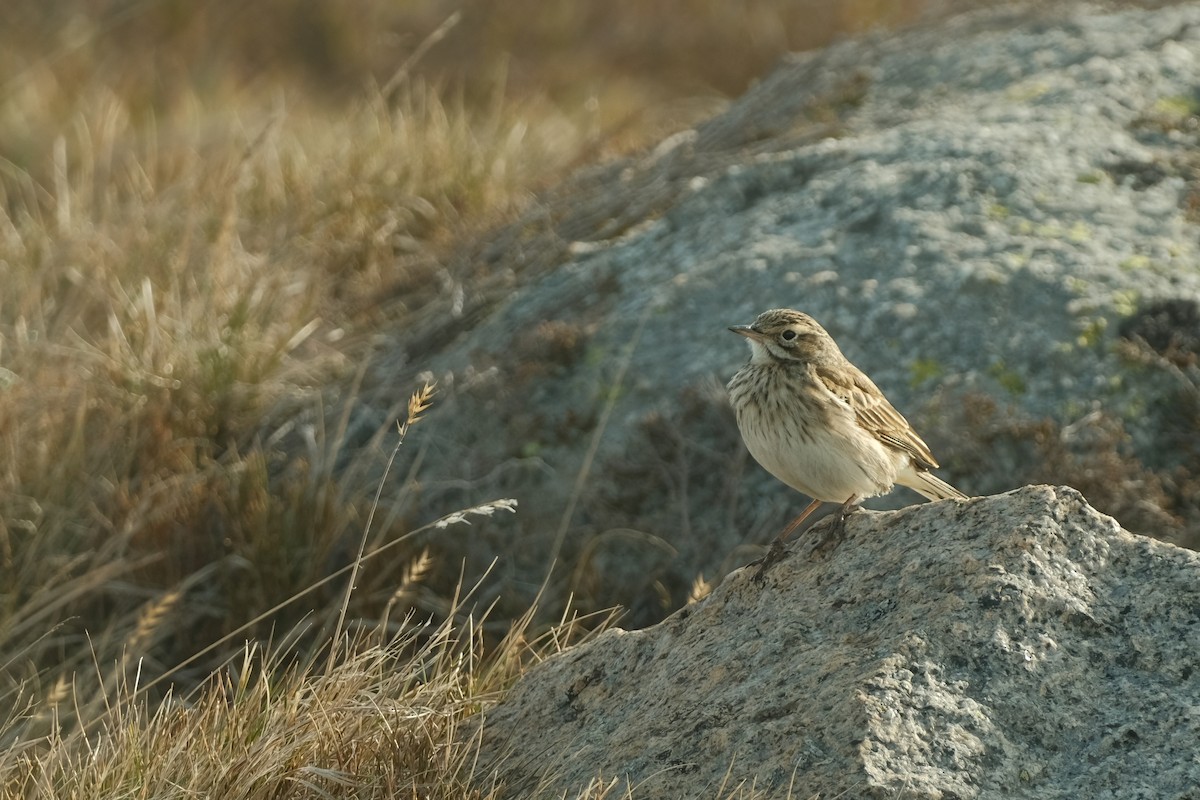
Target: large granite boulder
1015	646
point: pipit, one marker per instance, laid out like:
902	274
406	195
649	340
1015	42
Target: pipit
816	422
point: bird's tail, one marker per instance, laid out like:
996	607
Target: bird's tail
928	485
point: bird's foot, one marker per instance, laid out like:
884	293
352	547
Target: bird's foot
774	555
827	536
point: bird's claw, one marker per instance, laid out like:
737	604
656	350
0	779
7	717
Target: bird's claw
774	555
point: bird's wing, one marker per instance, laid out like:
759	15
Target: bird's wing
874	413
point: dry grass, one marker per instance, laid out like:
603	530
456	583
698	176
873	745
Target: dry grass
380	718
163	288
166	281
385	722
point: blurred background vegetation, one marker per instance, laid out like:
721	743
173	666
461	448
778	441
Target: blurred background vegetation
626	64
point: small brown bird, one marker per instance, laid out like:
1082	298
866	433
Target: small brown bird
816	422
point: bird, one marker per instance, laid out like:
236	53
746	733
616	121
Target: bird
818	424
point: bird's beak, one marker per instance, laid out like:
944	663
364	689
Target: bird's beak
745	330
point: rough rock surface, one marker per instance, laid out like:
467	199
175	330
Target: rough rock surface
1015	646
968	209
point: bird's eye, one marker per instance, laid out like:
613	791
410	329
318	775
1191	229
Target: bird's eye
787	336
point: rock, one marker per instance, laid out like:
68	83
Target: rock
1014	646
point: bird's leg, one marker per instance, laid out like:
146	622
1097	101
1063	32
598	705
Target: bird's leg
791	528
777	546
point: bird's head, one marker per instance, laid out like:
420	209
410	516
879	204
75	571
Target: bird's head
785	335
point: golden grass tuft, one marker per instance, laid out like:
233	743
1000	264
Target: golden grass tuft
381	718
386	722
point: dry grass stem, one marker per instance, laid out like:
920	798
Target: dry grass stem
418	403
